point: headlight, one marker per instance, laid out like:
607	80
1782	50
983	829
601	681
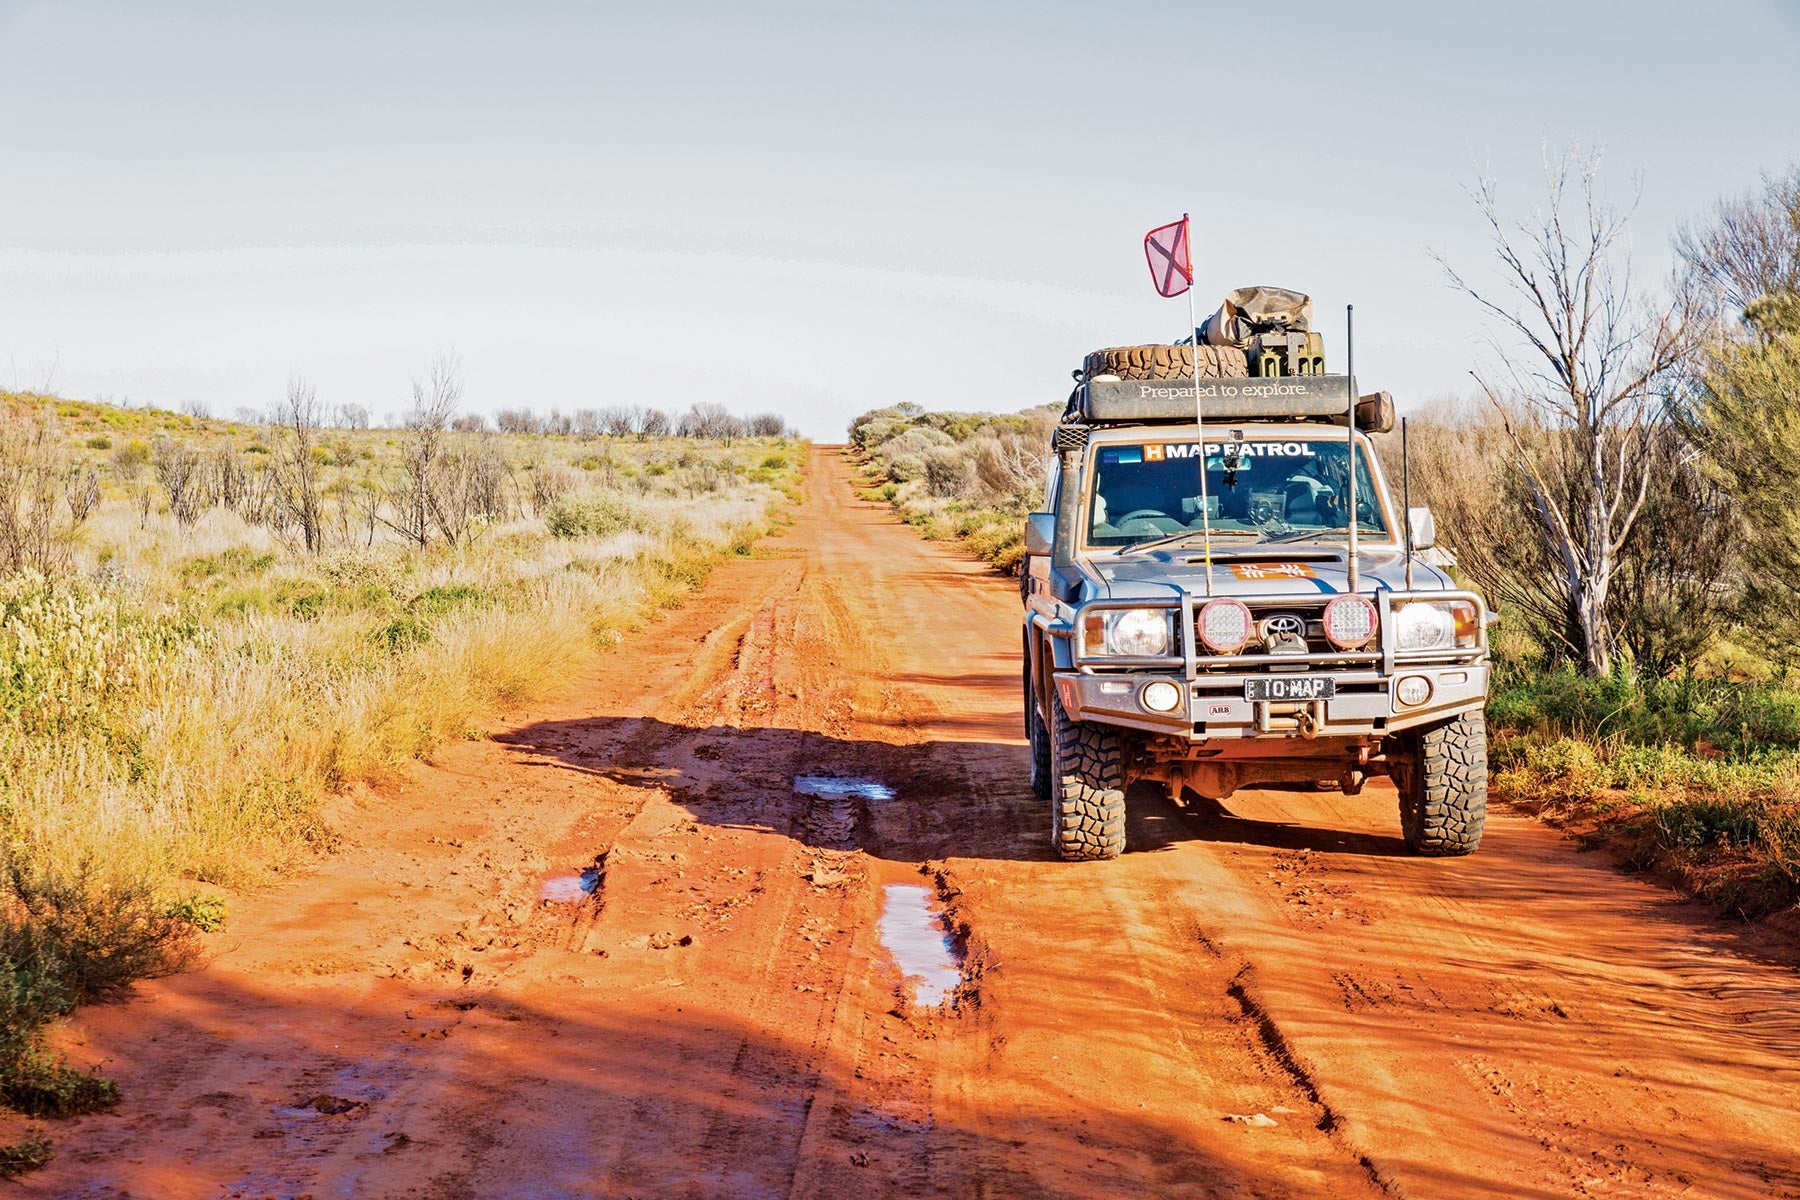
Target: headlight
1141	632
1350	622
1437	625
1135	632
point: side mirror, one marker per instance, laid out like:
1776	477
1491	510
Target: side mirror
1424	528
1040	533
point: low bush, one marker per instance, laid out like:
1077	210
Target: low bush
20	1157
1698	778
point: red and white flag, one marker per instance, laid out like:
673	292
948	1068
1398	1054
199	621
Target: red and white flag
1171	267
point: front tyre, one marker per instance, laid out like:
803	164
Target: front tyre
1087	804
1442	781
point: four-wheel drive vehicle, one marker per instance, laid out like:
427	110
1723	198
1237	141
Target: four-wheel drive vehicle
1282	662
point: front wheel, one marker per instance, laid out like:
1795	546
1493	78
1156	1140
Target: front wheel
1442	780
1087	802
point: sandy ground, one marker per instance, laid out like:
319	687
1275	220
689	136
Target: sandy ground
705	1008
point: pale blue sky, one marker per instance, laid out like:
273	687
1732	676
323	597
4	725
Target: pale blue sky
812	207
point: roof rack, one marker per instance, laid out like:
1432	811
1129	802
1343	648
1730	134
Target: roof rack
1104	400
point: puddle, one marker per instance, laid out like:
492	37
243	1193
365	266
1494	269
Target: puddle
831	787
571	889
916	937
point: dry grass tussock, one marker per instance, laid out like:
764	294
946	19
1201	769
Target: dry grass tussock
192	660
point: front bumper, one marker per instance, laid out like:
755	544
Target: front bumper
1365	704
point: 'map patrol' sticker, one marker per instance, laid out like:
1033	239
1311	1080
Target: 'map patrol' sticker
1157	453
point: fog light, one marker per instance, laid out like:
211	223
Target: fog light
1413	690
1160	696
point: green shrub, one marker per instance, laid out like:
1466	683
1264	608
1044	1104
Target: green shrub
99	442
19	1157
204	911
402	633
448	597
591	516
86	931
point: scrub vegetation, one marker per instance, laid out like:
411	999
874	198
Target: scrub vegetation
965	476
209	628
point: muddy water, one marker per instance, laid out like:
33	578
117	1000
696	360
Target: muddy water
831	787
915	935
570	889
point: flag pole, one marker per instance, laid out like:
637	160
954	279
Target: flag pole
1187	236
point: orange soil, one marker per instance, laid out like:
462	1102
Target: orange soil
719	1018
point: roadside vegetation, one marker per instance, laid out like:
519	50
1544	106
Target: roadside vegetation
1621	487
208	629
971	477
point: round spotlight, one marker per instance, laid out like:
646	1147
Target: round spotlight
1160	696
1412	690
1350	622
1225	626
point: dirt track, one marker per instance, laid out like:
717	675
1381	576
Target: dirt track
718	1018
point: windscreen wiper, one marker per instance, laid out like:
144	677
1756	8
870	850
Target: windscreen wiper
1185	534
1340	531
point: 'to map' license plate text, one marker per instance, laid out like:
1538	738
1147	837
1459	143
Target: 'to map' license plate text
1291	687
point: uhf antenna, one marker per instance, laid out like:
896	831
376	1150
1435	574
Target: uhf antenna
1406	499
1350	434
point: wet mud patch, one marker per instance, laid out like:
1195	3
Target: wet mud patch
574	888
913	930
839	808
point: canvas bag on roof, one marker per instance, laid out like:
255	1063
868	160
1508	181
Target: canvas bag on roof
1252	310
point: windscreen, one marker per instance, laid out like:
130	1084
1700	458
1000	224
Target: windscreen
1261	488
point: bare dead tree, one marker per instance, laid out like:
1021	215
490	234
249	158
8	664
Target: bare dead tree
83	492
353	416
655	423
1748	247
177	467
297	466
518	420
230	478
468	487
710	419
618	421
1585	357
587	423
368	503
31	483
434	401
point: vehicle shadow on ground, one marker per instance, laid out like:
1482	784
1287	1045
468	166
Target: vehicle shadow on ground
965	799
1213	821
481	1091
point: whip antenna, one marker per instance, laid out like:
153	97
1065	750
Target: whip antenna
1406	499
1350	435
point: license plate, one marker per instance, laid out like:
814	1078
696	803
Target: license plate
1291	687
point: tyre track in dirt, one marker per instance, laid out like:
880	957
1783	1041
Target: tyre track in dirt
717	1017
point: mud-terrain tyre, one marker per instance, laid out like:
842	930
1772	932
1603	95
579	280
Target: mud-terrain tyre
1166	362
1087	804
1443	788
1039	739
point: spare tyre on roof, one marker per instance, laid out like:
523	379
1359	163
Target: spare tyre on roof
1165	362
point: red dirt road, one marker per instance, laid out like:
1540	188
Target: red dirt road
718	1016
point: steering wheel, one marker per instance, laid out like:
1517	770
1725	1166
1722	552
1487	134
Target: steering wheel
1263	511
1138	513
